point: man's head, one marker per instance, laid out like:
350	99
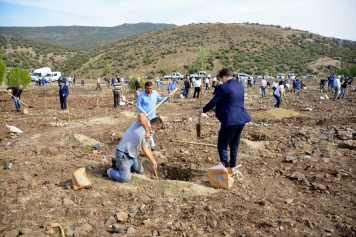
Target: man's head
138	79
148	87
20	87
225	74
156	124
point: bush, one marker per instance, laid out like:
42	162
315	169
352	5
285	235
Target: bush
132	81
2	69
18	76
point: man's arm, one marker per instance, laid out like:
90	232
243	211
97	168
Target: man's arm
149	155
219	93
139	106
144	122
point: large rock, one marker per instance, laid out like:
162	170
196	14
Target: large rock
83	140
344	135
351	144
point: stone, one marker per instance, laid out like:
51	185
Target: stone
318	186
111	220
11	233
142	207
25	231
8	166
330	230
67	202
116	228
350	144
297	175
289	200
309	224
130	230
121	216
84	228
213	223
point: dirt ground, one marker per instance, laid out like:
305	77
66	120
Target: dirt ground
312	194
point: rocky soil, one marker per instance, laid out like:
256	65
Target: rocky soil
298	162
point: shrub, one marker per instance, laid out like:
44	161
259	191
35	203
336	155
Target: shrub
18	76
133	79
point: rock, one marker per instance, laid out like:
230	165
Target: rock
318	186
330	230
350	144
8	166
11	233
116	228
297	175
130	230
213	223
84	228
142	207
71	233
121	216
344	135
309	224
111	220
290	158
67	202
289	200
25	231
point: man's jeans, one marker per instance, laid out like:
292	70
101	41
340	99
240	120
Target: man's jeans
342	94
263	91
124	166
279	101
336	92
17	104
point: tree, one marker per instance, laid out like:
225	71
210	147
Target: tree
18	76
203	56
2	69
343	71
353	71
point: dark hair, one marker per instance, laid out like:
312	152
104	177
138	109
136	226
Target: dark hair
148	83
281	83
225	72
158	121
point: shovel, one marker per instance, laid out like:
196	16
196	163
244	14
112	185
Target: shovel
161	102
19	100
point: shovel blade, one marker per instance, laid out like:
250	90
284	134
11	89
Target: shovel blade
198	129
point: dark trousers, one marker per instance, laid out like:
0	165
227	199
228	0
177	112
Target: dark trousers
279	101
196	92
63	100
116	98
229	136
186	92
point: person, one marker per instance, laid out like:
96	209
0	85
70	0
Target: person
82	82
322	85
331	82
146	102
16	94
127	158
197	85
187	87
113	81
137	93
73	80
214	85
207	84
98	84
171	87
63	94
254	81
137	83
249	82
70	80
336	86
59	81
278	93
263	87
343	88
230	111
117	89
274	85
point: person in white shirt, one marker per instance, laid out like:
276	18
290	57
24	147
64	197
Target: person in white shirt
337	86
207	84
274	85
263	87
278	93
98	84
70	80
197	85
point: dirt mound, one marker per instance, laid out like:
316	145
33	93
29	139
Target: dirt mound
274	114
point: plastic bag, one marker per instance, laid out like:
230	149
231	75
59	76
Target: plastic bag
79	179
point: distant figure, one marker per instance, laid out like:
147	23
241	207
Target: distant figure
137	93
278	93
187	87
63	94
98	84
82	82
171	87
197	85
263	87
117	90
137	83
16	94
73	80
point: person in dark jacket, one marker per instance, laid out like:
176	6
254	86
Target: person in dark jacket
16	94
229	102
187	87
63	94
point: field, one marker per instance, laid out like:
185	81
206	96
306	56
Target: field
314	195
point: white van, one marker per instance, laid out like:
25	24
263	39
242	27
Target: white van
53	76
39	73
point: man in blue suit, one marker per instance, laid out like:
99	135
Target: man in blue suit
229	102
63	93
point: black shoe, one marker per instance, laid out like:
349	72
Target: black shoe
113	163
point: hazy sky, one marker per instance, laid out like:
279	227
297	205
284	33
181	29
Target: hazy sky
333	18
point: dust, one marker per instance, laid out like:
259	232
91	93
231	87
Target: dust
173	188
274	114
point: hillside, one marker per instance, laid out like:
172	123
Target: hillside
81	37
249	48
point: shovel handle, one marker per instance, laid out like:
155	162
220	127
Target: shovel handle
161	102
17	98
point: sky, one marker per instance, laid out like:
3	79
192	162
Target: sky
331	18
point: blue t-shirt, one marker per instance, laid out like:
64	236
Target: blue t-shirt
145	103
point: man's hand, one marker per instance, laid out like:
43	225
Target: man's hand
200	111
154	163
148	136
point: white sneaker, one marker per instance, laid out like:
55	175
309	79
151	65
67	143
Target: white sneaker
108	172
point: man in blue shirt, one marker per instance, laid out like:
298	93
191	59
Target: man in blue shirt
230	111
146	102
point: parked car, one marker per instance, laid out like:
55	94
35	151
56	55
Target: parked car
174	76
291	76
280	76
309	77
126	80
242	76
263	75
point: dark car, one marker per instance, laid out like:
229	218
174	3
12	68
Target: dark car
309	76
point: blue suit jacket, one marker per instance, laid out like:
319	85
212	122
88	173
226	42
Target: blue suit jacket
229	101
63	90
